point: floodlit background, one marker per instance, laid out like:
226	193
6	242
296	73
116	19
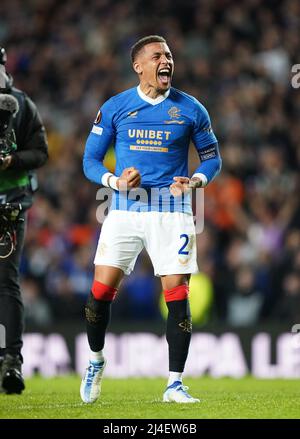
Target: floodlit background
236	58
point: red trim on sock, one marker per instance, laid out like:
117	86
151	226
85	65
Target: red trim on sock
103	292
178	293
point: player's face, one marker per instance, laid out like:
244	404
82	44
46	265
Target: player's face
155	66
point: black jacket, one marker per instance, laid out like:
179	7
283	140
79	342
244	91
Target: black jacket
31	139
32	148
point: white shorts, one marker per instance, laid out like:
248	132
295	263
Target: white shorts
168	237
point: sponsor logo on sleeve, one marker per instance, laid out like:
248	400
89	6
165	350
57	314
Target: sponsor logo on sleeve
97	130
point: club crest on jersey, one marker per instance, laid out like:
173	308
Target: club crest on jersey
132	113
174	114
98	118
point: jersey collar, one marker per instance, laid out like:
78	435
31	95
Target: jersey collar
151	101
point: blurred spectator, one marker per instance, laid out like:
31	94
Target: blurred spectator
289	308
37	309
245	303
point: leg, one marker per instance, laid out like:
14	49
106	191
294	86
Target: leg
98	308
97	311
179	323
173	254
12	316
11	304
179	331
118	247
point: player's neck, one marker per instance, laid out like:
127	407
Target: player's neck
151	92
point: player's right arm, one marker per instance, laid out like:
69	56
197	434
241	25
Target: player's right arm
99	140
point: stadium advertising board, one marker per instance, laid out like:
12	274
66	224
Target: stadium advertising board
137	354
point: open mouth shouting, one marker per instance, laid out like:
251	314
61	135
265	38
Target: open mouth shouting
164	76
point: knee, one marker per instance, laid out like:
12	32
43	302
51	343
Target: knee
98	304
181	292
178	307
172	281
103	292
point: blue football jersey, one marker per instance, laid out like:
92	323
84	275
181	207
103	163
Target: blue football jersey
153	135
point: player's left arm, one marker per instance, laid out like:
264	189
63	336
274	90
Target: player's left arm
206	144
207	147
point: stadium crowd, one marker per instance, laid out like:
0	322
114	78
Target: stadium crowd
236	58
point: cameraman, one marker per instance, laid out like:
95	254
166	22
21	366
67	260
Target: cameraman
23	148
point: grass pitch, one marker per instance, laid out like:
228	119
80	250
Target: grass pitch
141	398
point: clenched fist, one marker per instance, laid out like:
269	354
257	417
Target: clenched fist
129	179
184	184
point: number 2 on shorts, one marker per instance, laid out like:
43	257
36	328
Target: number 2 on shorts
182	250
